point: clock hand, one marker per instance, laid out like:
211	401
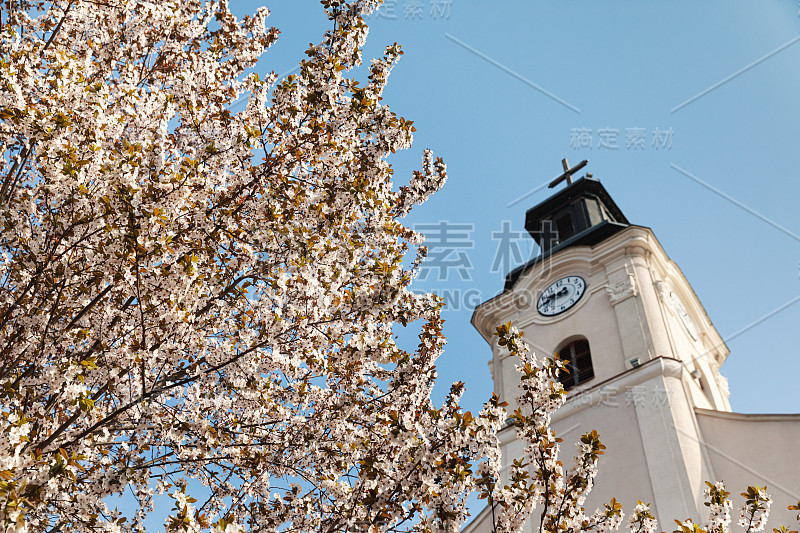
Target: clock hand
555	296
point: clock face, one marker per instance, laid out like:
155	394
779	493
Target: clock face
561	295
684	316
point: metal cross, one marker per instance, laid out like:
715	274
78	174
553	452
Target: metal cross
568	172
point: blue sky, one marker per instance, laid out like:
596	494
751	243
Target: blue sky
504	90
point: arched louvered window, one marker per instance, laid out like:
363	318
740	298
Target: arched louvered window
579	365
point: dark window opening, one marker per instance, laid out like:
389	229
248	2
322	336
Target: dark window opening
564	227
579	365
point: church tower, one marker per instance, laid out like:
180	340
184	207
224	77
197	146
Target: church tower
644	358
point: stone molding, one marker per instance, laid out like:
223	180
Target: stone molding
622	290
662	291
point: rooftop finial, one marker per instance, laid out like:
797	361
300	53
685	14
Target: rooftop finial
568	172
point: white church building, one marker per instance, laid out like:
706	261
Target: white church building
645	366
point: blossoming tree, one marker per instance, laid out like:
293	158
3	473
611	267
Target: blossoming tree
194	297
199	302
